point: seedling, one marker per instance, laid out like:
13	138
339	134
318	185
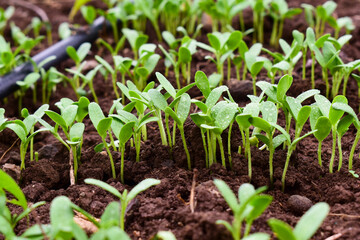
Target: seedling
70	121
102	125
250	110
259	8
8	221
305	228
340	23
334	116
280	11
136	39
88	13
164	235
222	45
151	10
5	15
180	115
29	82
25	131
341	106
343	71
354	174
247	207
126	197
254	63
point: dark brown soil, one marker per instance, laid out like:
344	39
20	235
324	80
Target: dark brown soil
166	206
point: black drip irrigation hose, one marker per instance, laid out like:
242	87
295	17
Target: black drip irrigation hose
8	81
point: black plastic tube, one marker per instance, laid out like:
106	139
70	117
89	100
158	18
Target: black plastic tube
8	81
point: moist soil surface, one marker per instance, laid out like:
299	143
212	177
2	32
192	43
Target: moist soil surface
167	206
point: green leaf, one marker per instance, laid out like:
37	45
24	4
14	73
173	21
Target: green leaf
58	119
283	86
335	114
256	68
344	124
166	84
95	114
227	194
158	99
126	132
165	235
214	96
243	120
261	123
76	132
346	108
269	111
307	94
61	215
106	65
183	107
259	205
69	114
70	50
82	111
311	221
83	50
104	126
223	113
140	187
282	230
303	115
104	186
214	42
323	127
324	104
184	55
234	40
263	138
202	83
9	184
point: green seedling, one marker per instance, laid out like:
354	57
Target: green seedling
26	43
250	110
334	116
29	82
151	10
292	55
180	115
123	132
76	7
340	23
87	80
88	13
170	15
142	68
78	57
181	59
126	197
64	30
136	39
259	8
5	15
222	45
300	114
102	125
305	228
247	207
254	63
269	118
342	74
70	121
280	11
325	59
8	221
346	108
239	60
25	131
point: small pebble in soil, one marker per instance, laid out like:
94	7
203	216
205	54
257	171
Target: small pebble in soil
299	204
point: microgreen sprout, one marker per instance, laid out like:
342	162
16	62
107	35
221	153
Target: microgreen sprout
102	125
354	174
126	197
334	115
25	131
254	63
247	207
259	8
5	15
305	228
29	82
280	11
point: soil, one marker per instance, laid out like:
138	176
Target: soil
167	205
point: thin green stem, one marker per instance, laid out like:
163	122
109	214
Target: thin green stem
168	130
352	151
333	150
248	152
304	51
319	153
122	149
340	152
312	70
114	78
185	147
110	157
205	149
229	143
161	129
288	155
221	146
